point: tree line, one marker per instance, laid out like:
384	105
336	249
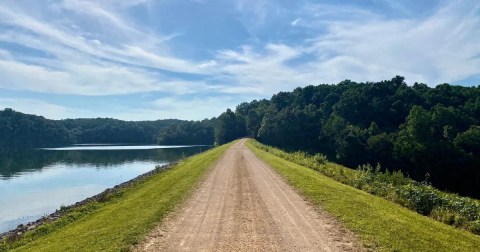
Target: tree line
427	133
19	131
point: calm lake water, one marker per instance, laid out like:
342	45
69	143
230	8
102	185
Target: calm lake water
37	182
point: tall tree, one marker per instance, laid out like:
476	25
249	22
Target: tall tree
229	127
415	129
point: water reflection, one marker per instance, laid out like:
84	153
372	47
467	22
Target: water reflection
13	163
37	182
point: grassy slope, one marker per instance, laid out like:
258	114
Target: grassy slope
380	223
123	221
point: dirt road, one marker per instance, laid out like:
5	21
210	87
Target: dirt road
243	205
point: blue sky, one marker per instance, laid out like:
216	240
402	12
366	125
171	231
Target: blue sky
193	59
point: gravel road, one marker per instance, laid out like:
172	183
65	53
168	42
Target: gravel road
243	205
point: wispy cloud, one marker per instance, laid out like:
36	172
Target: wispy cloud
259	72
193	107
367	47
133	50
178	107
435	49
89	80
99	65
109	48
46	109
296	22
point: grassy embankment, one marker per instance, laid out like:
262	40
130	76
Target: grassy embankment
125	217
381	224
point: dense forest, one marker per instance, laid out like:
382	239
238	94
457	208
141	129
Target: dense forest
427	133
107	130
18	130
189	132
22	131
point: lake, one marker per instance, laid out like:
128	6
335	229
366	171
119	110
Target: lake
37	182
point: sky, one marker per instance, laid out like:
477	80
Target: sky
193	59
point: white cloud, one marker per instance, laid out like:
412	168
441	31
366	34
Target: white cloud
125	4
196	108
97	48
163	108
75	64
149	59
38	107
5	54
296	21
95	10
172	107
88	80
135	47
436	49
319	14
260	73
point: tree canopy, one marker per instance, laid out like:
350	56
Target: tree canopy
19	130
188	132
23	131
416	129
419	130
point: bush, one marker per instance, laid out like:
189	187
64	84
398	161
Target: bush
451	209
444	215
474	227
421	198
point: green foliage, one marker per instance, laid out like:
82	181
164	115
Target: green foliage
415	129
27	131
461	212
229	127
107	130
252	113
316	162
189	132
382	225
422	199
20	131
469	141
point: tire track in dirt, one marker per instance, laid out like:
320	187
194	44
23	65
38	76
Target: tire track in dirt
243	205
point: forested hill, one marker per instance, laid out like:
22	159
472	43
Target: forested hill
18	130
23	131
422	131
107	130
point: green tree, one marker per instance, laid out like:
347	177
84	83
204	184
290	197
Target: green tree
229	127
469	141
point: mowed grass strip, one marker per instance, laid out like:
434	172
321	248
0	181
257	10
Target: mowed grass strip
381	224
123	221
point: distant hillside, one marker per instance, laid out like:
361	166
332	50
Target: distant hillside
425	132
18	130
23	131
107	130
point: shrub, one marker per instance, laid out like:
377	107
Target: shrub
474	227
451	209
422	198
444	215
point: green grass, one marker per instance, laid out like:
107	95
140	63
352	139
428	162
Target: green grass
449	208
381	224
125	217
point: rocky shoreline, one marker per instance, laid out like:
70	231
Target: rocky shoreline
21	229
